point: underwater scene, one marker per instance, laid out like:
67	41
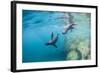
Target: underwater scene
55	36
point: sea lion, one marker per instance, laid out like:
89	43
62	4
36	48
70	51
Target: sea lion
68	27
52	41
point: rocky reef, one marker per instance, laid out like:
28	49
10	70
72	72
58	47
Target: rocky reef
77	42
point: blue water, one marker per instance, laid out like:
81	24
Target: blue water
37	27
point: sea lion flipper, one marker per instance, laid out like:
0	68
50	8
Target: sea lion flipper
52	35
55	45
